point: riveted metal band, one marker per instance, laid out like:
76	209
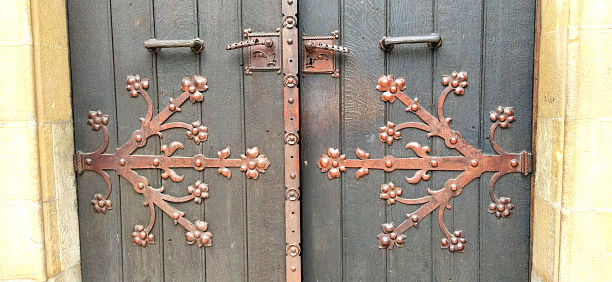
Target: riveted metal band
290	67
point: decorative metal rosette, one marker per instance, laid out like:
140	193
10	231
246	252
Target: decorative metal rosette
389	87
390	237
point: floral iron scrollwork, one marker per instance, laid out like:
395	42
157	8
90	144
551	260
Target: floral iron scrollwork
125	164
471	164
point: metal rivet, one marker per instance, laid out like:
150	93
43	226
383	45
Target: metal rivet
474	163
198	162
514	163
156	161
415	218
291	80
292	194
453	140
388	163
292	176
290	100
434	163
138	138
122	162
293	268
140	185
291	138
289	41
453	187
290	2
88	161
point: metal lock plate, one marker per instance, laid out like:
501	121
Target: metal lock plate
318	60
264	57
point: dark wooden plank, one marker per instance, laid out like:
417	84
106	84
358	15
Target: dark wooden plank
320	129
222	112
414	62
132	25
507	81
263	100
178	20
93	89
363	24
460	26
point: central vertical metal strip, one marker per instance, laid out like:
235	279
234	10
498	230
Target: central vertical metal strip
290	41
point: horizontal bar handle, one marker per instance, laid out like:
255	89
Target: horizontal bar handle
154	45
433	41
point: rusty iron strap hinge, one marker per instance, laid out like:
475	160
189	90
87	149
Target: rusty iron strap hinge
124	163
472	163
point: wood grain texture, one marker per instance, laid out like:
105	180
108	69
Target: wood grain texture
132	25
320	129
363	24
264	128
507	49
93	89
223	113
178	20
414	62
460	26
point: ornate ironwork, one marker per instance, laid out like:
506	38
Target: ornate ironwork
472	164
124	163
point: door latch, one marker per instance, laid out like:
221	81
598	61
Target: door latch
319	54
264	51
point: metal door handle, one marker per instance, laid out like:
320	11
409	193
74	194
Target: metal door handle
268	42
433	41
310	46
154	45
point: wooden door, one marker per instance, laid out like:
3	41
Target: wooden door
246	217
340	218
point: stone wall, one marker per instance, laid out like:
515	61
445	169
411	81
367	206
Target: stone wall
572	216
38	215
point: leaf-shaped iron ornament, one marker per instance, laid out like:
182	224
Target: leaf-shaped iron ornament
472	163
124	163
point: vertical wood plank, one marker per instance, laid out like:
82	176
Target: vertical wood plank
320	129
460	26
223	113
507	81
132	25
263	100
178	20
362	26
414	62
93	89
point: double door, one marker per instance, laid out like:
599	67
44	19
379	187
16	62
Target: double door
336	226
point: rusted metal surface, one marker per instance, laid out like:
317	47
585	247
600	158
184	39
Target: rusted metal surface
263	51
293	260
125	164
318	54
154	45
434	41
471	164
